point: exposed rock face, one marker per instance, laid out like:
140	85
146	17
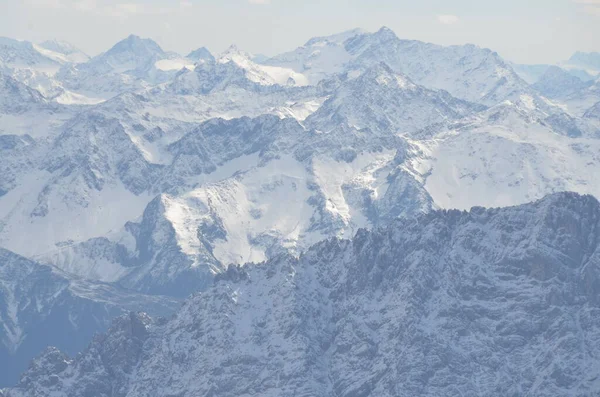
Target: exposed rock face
490	302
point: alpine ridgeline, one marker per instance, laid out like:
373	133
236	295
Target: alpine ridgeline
490	302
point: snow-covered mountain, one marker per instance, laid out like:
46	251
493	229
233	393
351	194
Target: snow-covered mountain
385	101
15	54
148	172
130	54
16	97
227	181
261	74
40	306
37	65
488	302
379	147
467	72
132	64
201	54
24	111
510	154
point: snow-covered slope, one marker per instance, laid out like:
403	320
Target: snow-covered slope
16	97
70	53
508	155
15	54
488	302
37	65
261	74
25	111
40	306
319	58
78	186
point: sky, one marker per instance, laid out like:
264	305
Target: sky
523	31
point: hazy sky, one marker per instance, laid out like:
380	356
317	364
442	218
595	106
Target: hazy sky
528	31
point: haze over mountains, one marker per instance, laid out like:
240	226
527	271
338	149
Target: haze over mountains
134	178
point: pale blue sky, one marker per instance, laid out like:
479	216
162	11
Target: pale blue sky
528	31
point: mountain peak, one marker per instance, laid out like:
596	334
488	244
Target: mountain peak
586	59
337	38
385	33
128	54
134	43
200	54
235	54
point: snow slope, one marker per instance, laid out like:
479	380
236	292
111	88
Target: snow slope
506	156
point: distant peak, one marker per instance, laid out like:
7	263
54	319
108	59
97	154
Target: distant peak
555	80
586	59
336	38
578	54
233	53
232	49
201	53
135	39
386	33
136	44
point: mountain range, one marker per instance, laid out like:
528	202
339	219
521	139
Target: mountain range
143	176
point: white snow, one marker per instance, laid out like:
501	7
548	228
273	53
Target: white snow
332	176
174	64
68	222
73	98
494	166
